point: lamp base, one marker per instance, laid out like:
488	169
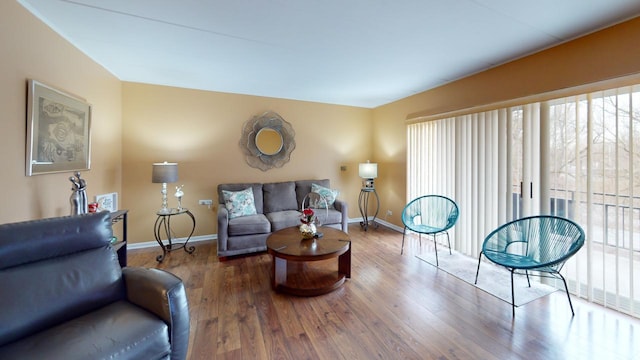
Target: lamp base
164	209
367	183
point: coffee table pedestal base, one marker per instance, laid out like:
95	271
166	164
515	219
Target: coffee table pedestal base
315	283
306	267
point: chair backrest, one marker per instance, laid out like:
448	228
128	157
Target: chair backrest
548	240
55	269
434	211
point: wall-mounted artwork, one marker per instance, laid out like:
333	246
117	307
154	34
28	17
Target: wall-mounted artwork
267	141
58	131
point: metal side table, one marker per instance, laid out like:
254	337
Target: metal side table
164	222
363	203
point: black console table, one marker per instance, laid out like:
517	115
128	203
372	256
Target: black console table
363	203
120	246
163	222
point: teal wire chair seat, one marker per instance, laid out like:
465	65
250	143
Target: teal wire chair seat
431	215
540	243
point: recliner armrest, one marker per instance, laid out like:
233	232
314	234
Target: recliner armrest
164	295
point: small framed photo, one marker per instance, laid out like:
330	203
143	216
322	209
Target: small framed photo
58	131
107	202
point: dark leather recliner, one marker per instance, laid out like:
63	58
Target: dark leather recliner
63	295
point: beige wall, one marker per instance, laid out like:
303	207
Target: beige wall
32	50
135	125
604	55
201	131
198	129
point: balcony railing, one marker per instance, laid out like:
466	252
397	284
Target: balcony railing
612	214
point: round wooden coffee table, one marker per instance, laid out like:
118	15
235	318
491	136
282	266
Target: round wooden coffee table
287	245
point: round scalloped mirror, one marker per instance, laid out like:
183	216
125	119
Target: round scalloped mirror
267	141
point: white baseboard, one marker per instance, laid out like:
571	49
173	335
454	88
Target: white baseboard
148	244
213	237
390	225
379	221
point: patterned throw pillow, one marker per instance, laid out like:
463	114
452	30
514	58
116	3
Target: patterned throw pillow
329	195
239	203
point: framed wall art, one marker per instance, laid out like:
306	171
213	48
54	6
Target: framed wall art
107	202
58	131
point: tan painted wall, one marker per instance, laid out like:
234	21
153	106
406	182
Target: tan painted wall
201	130
135	125
32	50
604	55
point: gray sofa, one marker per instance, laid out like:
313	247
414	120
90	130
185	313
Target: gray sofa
64	296
277	206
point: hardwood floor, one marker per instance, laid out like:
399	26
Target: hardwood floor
394	306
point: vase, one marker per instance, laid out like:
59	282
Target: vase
308	231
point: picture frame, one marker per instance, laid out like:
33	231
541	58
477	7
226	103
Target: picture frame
58	131
107	202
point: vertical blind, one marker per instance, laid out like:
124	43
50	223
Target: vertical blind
463	158
577	157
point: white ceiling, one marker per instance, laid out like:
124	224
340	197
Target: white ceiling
354	52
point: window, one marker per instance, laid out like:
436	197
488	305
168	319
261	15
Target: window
577	157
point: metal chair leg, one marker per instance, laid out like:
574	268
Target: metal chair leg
566	289
513	297
435	246
403	234
478	270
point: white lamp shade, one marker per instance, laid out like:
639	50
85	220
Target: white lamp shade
368	170
164	172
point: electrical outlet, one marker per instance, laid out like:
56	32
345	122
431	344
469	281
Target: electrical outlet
389	213
205	202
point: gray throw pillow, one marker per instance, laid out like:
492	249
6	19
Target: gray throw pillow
279	196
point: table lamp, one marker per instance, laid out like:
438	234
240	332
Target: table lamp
164	173
368	171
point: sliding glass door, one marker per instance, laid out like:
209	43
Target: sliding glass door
576	157
595	180
524	148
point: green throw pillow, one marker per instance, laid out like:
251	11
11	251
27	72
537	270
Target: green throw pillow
329	195
239	203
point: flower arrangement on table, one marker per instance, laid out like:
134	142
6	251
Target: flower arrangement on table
308	226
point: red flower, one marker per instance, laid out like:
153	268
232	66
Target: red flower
307	216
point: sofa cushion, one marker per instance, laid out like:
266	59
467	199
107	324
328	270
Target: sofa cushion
284	219
244	244
303	187
119	330
279	196
257	193
246	225
332	216
329	195
239	203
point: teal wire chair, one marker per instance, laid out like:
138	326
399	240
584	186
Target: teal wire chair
431	215
540	243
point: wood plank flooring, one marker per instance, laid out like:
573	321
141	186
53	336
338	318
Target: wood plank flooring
393	307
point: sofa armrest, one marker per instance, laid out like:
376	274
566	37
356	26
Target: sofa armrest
223	227
342	206
164	295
